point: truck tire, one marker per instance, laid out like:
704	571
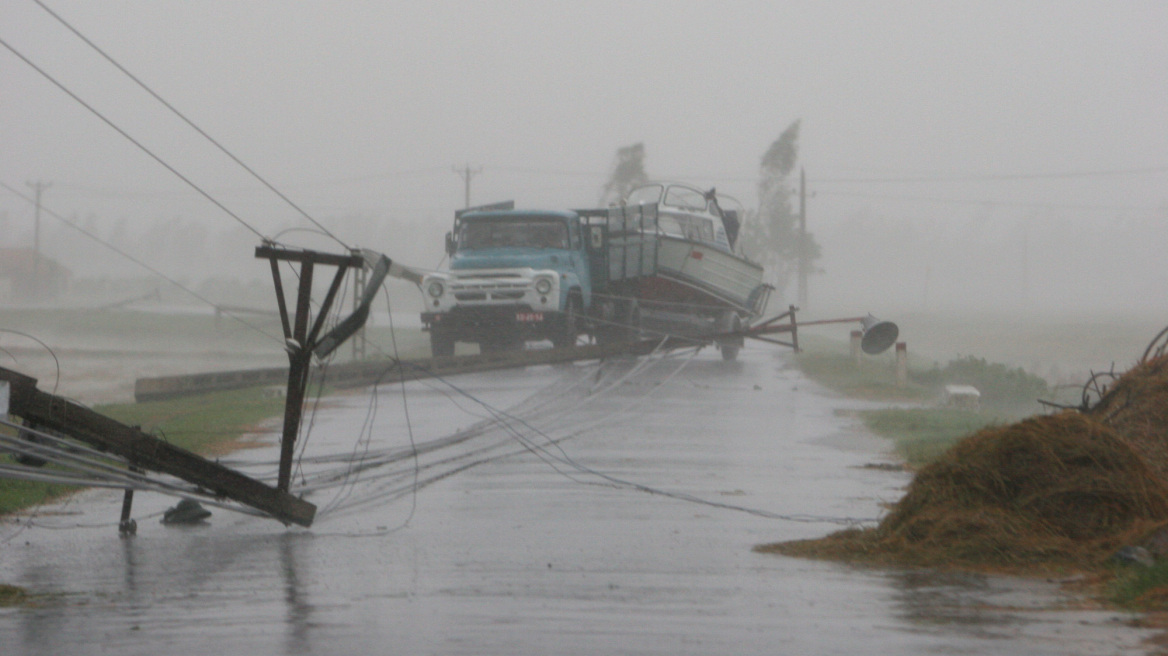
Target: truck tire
632	321
565	337
441	342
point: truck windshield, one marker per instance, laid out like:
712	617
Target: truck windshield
522	232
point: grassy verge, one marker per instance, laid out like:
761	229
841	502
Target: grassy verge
1141	588
921	434
873	379
208	425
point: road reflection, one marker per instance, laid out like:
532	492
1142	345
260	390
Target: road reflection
299	611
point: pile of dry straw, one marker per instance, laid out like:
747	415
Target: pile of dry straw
1059	490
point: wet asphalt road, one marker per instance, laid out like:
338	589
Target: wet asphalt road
612	511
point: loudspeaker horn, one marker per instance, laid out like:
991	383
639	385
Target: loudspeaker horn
878	335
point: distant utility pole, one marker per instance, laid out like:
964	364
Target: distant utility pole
38	187
466	173
803	254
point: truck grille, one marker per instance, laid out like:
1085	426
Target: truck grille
495	296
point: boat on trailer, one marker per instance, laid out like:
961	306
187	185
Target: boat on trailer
702	283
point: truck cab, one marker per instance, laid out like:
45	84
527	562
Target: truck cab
515	276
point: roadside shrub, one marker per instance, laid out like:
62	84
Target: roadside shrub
1000	385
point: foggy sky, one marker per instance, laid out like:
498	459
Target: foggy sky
361	109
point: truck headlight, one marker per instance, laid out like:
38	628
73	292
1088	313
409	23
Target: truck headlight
543	285
435	289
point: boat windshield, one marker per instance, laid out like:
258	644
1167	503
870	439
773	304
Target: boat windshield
692	228
512	231
686	199
644	195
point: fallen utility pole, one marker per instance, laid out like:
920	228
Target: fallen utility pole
48	411
878	336
369	372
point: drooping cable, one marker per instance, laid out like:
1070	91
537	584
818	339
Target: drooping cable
188	121
87	467
57	379
681	496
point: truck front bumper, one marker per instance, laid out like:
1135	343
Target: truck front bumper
471	324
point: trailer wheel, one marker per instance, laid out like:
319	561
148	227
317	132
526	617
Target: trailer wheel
730	353
441	342
730	322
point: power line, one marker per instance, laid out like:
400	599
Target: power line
518	169
131	139
983	202
189	122
999	177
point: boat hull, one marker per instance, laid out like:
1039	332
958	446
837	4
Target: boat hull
699	273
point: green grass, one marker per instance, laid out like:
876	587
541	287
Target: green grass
18	495
921	435
1131	583
874	379
205	424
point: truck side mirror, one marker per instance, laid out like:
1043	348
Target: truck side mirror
450	243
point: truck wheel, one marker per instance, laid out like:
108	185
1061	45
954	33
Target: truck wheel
632	322
441	342
603	322
566	336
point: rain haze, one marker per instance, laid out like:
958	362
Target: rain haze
959	156
990	176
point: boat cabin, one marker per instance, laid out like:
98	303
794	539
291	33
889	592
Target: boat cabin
687	213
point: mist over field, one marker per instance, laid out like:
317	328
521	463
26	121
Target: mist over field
960	158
